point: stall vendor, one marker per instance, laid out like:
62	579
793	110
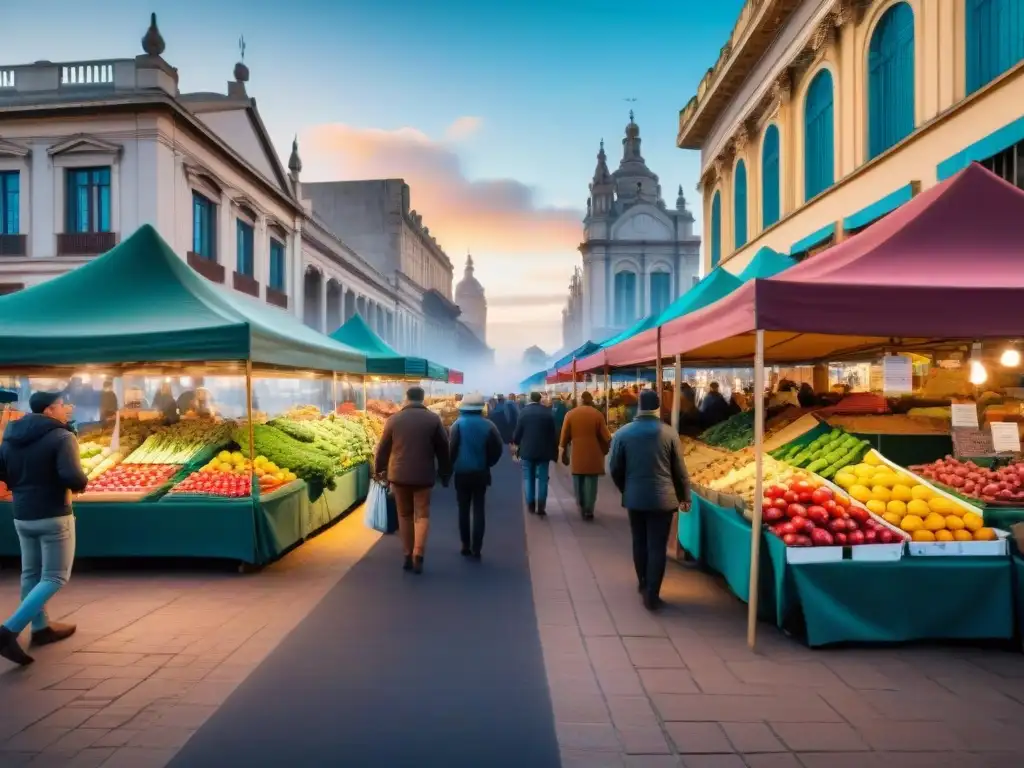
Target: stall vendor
108	403
164	402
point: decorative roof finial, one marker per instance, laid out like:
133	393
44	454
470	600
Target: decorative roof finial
469	262
294	162
152	42
631	115
241	70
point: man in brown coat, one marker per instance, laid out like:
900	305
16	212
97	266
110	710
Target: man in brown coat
412	454
586	438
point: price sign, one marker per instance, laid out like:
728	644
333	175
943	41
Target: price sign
972	443
965	415
897	374
1005	436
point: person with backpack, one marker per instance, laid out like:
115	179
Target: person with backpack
476	446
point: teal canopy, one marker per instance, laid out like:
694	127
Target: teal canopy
639	326
142	303
584	349
766	263
381	359
717	284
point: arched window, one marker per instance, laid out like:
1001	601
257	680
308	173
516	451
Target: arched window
661	292
891	79
625	298
819	136
716	229
995	39
739	205
770	185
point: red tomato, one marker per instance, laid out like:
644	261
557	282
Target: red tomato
821	495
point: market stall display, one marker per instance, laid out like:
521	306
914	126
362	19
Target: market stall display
129	482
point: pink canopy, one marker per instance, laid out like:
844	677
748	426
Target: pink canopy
948	265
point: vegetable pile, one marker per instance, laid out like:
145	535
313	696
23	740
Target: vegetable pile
826	454
1005	484
181	443
132	478
734	433
282	449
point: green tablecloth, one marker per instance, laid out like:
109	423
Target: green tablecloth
1018	590
916	598
1003	517
254	532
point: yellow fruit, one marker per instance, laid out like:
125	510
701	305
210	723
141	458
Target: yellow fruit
907	480
224	456
941	504
954	523
885	479
863	470
973	522
922	492
918	507
876	506
872	458
911	523
985	534
845	479
892	518
944	535
881	493
962	535
902	492
896	507
860	492
934	522
922	535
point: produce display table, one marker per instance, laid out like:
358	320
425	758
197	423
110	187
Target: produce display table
908	450
916	598
1003	517
248	531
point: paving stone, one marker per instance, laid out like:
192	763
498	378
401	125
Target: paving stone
139	757
748	738
653	761
632	711
93	757
69	717
579	707
819	737
667	681
910	736
772	760
35	738
643	740
165	736
77	740
713	761
587	736
583	758
652	652
797	707
698	738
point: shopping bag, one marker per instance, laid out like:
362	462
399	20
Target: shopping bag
376	512
392	514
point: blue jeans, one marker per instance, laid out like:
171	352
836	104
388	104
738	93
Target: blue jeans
47	554
535	480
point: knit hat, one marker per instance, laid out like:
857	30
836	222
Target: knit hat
40	401
473	403
648	401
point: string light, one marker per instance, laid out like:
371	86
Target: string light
978	374
1010	358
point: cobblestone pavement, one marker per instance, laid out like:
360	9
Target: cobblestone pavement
156	654
682	689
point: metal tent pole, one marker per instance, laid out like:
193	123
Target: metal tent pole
607	392
755	523
658	371
677	392
574	387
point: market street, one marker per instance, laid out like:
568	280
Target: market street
158	656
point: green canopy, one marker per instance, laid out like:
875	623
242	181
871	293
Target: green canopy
141	303
381	359
717	284
639	326
766	263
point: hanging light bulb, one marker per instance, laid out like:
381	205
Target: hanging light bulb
978	374
1010	358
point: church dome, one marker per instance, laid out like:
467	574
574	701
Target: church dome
632	129
468	285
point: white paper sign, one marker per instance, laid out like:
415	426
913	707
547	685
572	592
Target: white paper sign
965	415
1005	436
897	374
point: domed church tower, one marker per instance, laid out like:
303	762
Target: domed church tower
470	297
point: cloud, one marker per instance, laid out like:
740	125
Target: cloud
463	128
526	300
495	217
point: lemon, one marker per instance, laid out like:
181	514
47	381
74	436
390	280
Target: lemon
863	470
918	507
954	523
892	518
934	522
881	493
902	492
896	507
985	534
224	456
922	492
973	522
885	478
877	506
963	535
845	479
941	504
908	480
911	523
872	458
943	535
860	492
922	535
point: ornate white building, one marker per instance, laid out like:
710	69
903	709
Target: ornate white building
638	255
470	296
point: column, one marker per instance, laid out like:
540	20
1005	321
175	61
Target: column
227	239
296	273
261	254
323	303
46	218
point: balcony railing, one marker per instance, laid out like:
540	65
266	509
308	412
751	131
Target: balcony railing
13	245
246	284
85	243
277	298
208	268
88	76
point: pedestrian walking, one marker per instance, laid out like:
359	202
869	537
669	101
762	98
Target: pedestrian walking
413	453
512	414
499	415
475	447
583	444
40	464
536	441
647	467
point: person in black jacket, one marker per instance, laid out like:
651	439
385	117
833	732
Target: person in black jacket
536	441
39	461
475	447
713	408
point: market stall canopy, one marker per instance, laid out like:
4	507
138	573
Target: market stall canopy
947	266
766	263
581	351
381	359
536	380
140	302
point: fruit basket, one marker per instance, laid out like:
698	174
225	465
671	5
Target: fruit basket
129	482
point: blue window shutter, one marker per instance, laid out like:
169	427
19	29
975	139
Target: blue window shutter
819	136
625	298
739	206
716	229
770	185
995	39
10	203
661	292
891	79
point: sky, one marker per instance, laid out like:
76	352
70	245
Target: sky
492	111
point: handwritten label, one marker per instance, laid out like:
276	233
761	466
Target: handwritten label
897	374
964	415
1005	436
972	443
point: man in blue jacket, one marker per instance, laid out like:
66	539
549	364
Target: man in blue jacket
476	446
537	443
646	465
39	461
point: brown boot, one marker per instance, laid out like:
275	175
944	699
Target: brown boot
53	634
11	649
